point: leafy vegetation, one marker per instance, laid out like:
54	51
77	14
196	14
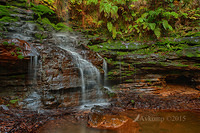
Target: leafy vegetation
13	49
118	19
41	10
135	18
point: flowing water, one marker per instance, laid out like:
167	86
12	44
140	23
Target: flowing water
90	78
91	81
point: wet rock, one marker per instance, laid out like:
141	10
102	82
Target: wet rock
50	101
24	11
104	118
136	68
58	69
15	56
189	40
22	17
106	121
4	107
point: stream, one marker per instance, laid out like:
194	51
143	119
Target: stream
61	73
148	122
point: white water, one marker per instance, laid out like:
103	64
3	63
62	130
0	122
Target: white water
33	69
105	69
90	79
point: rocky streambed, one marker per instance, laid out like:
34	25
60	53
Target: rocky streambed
45	80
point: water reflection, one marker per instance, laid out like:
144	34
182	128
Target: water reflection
148	122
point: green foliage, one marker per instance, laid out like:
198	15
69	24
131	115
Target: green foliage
46	23
14	101
63	27
5	43
4	10
13	53
12	43
131	18
89	2
157	32
17	51
20	56
42	10
113	30
40	36
8	19
109	9
155	20
110	26
132	101
166	25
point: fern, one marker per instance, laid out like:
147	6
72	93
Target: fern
166	25
42	10
109	9
152	26
114	32
109	26
170	14
157	32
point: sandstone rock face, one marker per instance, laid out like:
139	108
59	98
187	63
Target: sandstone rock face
180	66
46	67
58	71
15	61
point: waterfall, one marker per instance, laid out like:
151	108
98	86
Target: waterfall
33	99
89	76
33	64
105	69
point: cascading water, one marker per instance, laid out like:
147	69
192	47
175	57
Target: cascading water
89	74
105	69
33	69
33	99
90	78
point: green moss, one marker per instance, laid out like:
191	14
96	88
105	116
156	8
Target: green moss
14	101
9	19
181	65
192	53
132	101
39	27
109	61
40	36
5	43
99	48
151	62
197	65
63	27
20	56
42	10
118	62
46	24
4	10
18	4
129	80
